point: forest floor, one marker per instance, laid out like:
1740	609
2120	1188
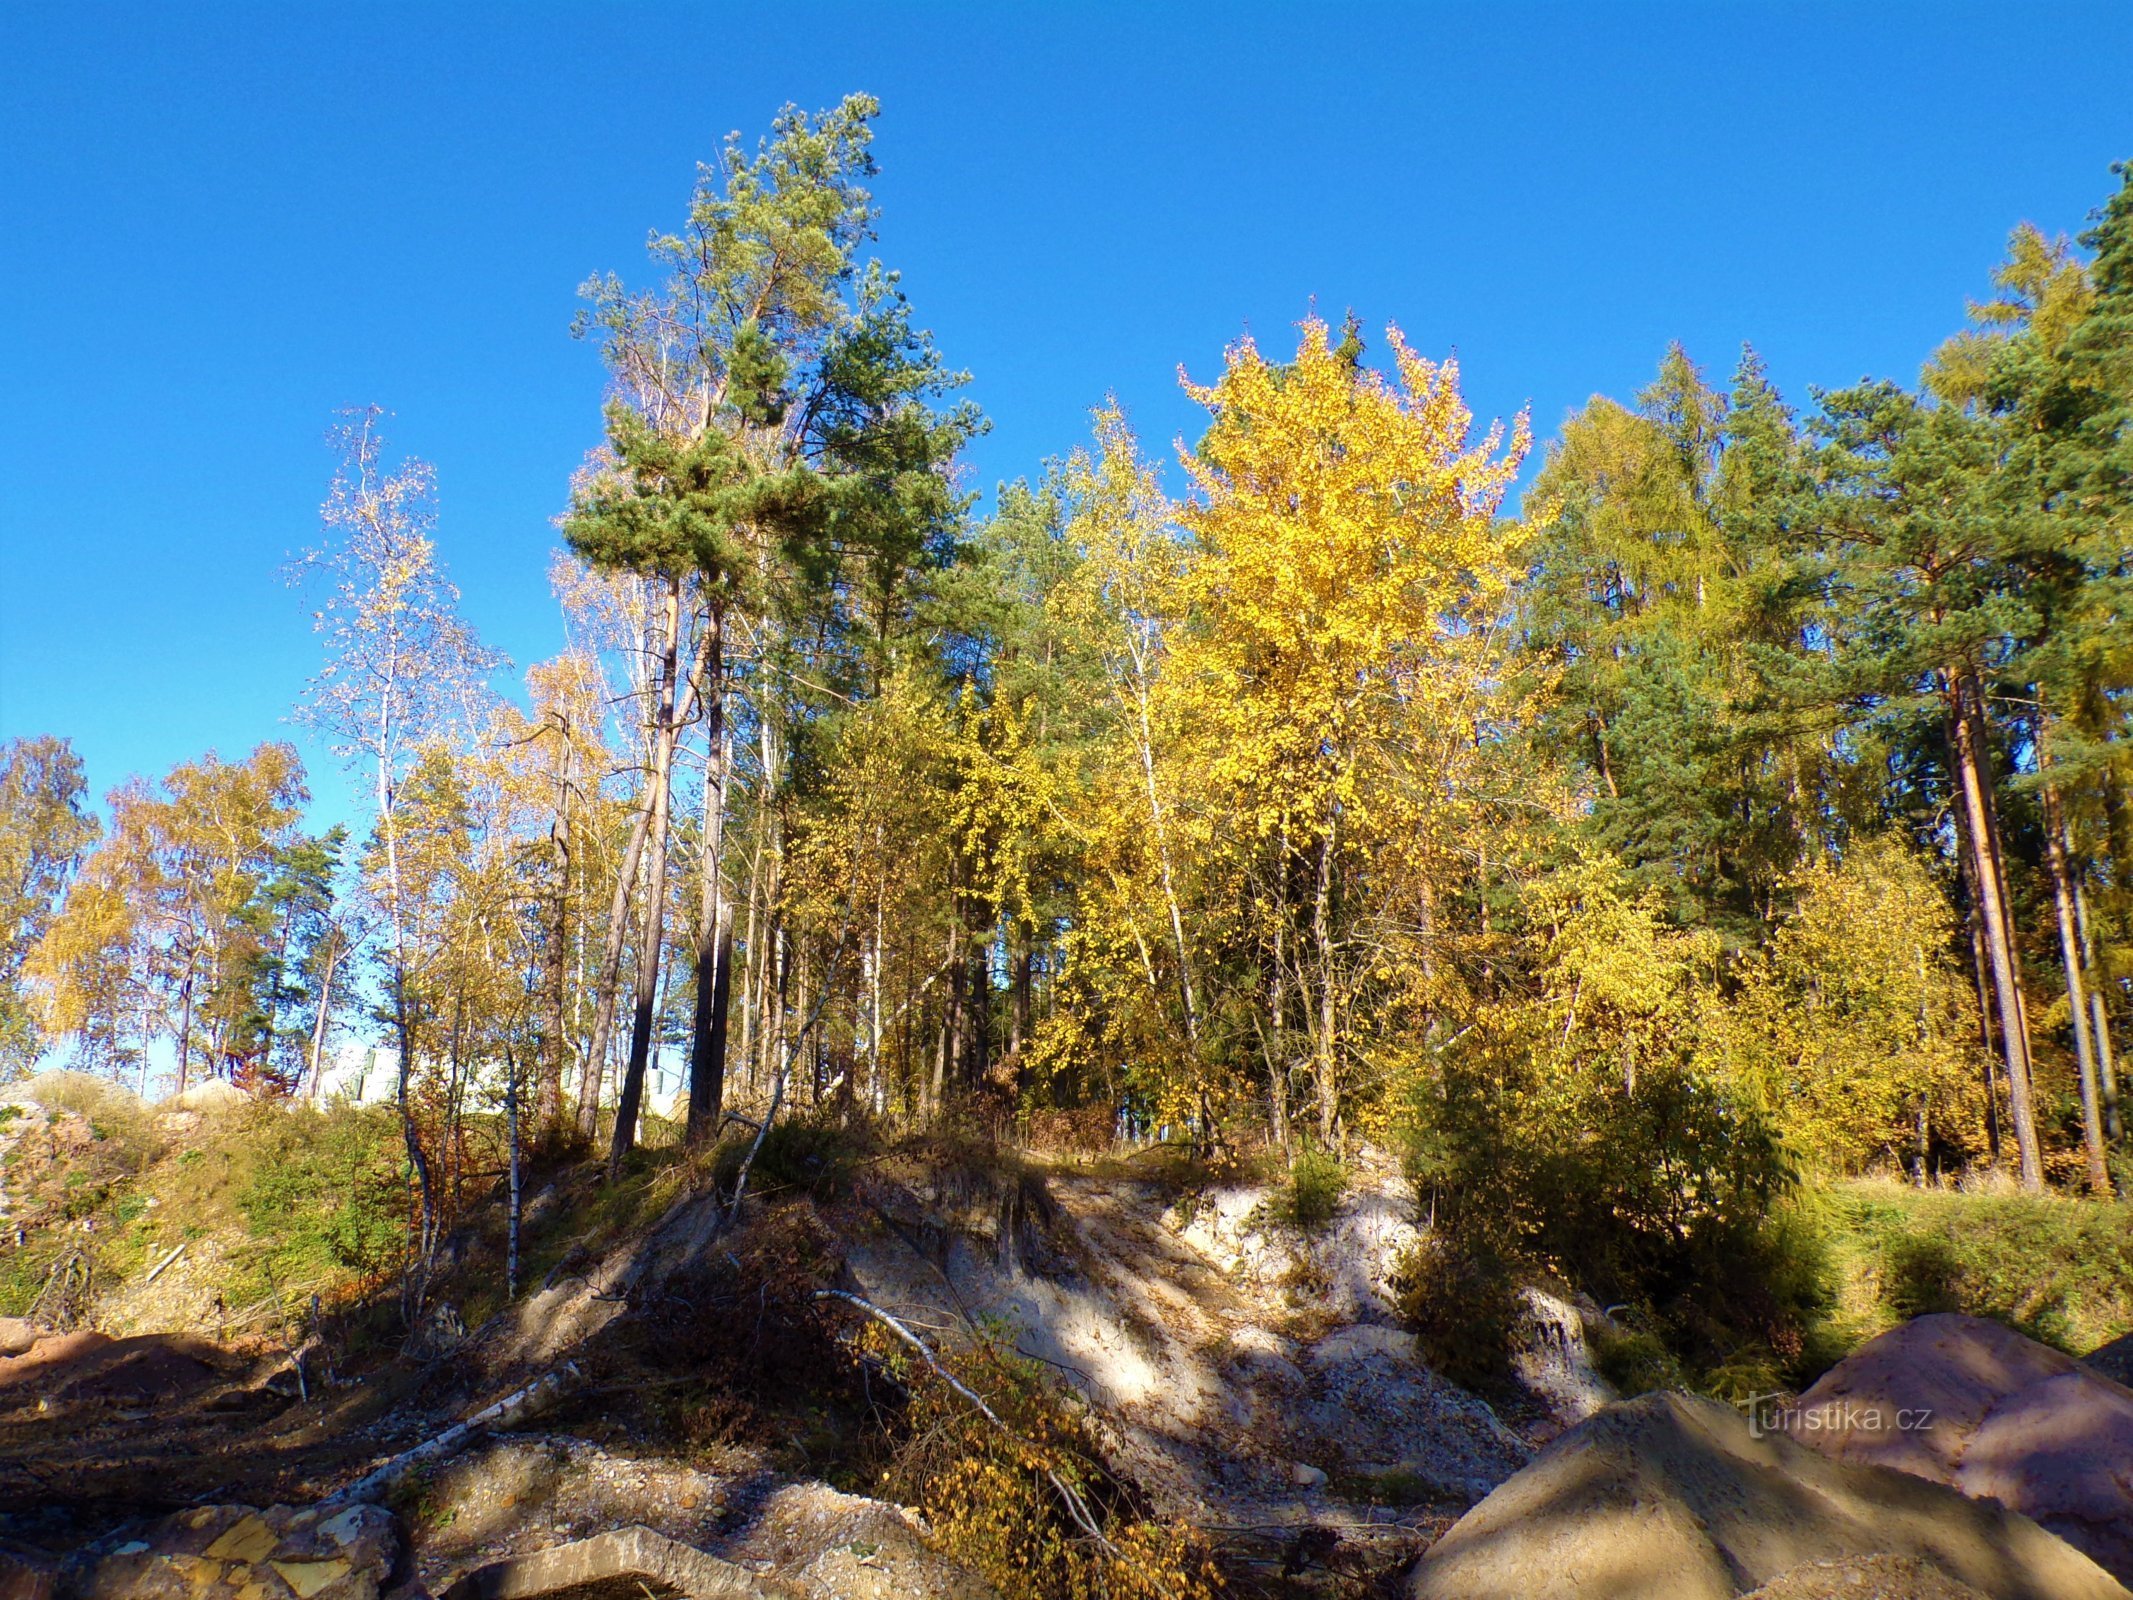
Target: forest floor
1235	1372
1244	1376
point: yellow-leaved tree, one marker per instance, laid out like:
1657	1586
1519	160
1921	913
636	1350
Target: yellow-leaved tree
1855	1027
1350	576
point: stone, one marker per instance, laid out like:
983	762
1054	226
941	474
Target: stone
1379	1401
24	1579
1305	1476
17	1334
239	1553
1673	1497
625	1553
249	1540
1550	1357
1966	1402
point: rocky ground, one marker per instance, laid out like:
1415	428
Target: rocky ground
1245	1376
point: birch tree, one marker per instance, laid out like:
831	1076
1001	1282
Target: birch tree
402	667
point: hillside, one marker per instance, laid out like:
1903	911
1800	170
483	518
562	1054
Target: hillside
1221	1374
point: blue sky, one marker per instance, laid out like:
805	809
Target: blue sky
218	224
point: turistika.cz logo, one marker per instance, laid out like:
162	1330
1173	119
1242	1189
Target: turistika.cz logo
1782	1413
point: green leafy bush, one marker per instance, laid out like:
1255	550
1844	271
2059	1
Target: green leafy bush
1664	1199
2057	1269
813	1154
322	1193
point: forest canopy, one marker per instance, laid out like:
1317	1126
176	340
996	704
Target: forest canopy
1751	797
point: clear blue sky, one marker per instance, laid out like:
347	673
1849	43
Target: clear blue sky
217	224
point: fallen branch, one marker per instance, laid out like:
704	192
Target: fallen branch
1077	1508
514	1408
156	1271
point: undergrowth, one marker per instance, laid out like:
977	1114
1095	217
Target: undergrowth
997	1499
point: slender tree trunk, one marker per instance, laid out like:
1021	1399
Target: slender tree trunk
555	1061
1277	1005
752	959
1973	921
1971	762
1322	938
185	1025
714	940
2099	1019
1186	989
944	1043
325	1011
608	986
2076	991
876	1086
1025	993
666	733
516	1209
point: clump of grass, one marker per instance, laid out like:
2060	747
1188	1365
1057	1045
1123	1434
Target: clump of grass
1312	1196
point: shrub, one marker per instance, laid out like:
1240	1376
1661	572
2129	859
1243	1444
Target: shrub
1317	1180
2057	1269
992	1499
814	1154
1664	1199
321	1193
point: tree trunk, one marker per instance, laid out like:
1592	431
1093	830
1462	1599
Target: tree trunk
2077	1006
1322	938
608	986
714	943
185	1026
876	1095
325	1011
1971	763
2099	1019
1277	1055
654	937
1973	921
555	1060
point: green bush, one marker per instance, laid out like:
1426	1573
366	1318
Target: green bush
814	1154
1312	1196
1667	1201
2057	1269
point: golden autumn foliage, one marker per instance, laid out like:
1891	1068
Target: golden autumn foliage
1852	1029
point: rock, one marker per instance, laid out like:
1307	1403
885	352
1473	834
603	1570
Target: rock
1671	1497
217	1094
1550	1358
24	1579
1356	1258
1305	1476
626	1555
237	1553
1867	1578
2113	1360
1968	1403
1380	1402
17	1334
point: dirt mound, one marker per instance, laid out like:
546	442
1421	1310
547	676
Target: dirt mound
1668	1497
1971	1404
92	1366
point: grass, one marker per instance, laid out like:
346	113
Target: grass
2057	1269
